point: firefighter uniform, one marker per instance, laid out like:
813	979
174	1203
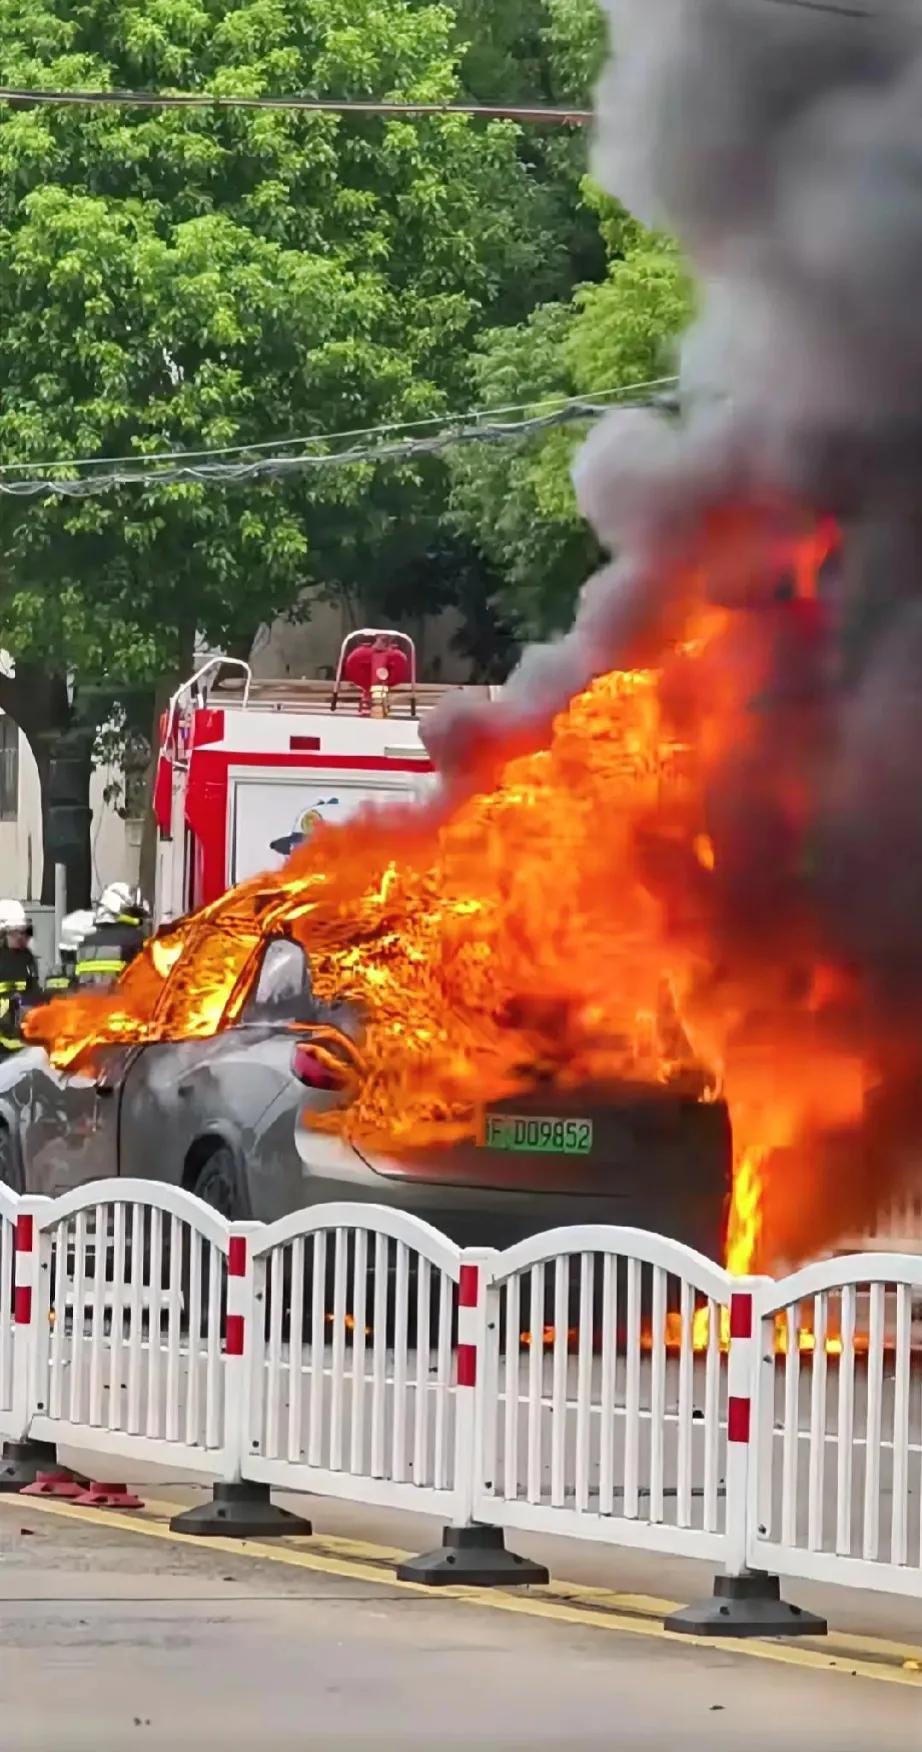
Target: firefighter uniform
117	933
106	951
59	980
74	928
19	982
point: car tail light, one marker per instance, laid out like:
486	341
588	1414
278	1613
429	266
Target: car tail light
314	1071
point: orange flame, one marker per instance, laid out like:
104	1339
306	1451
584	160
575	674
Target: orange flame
561	927
745	1210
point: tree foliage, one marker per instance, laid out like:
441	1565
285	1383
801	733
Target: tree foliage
543	52
517	503
174	280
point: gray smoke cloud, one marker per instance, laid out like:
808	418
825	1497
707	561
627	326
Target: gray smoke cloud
781	141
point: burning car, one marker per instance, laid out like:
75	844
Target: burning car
461	1008
227	1117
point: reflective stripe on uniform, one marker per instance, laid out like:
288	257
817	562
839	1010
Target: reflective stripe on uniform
99	966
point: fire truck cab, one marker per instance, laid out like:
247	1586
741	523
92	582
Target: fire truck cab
247	768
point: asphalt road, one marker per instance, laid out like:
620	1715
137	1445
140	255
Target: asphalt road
110	1640
613	1566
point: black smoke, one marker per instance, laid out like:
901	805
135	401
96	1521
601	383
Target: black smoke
781	142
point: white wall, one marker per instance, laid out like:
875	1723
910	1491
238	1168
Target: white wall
21	840
310	650
115	844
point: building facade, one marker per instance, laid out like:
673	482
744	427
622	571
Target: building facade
115	844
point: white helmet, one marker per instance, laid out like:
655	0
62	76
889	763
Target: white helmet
13	916
74	927
117	898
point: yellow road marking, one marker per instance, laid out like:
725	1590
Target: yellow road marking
631	1615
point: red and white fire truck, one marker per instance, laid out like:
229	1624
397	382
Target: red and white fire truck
248	767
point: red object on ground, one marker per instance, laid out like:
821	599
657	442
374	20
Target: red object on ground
54	1484
108	1496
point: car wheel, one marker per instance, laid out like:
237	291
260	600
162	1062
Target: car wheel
218	1184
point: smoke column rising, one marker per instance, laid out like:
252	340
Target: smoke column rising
781	141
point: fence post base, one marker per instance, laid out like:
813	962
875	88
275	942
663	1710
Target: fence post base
239	1511
22	1462
472	1557
746	1605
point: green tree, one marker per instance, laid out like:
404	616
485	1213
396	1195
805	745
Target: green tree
176	280
516	503
546	52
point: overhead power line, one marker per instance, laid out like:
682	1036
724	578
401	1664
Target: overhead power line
825	6
295	101
281	467
535	403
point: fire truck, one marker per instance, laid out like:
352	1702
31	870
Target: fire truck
247	767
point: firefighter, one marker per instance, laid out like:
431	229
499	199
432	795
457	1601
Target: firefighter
19	981
119	930
74	928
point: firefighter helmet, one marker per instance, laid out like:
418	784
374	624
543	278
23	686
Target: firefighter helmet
119	901
13	916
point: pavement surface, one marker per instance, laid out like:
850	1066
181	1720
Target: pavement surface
667	1579
115	1633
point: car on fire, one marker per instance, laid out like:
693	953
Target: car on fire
226	1117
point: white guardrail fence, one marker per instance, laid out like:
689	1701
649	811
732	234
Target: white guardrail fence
597	1383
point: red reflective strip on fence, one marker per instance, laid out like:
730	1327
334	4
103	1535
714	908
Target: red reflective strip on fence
467	1364
24	1234
233	1335
741	1315
23	1303
737	1419
467	1286
237	1256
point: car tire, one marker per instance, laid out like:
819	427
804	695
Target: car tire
218	1184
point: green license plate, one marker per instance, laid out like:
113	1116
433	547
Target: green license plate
550	1137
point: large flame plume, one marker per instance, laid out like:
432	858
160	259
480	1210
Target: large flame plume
584	921
684	846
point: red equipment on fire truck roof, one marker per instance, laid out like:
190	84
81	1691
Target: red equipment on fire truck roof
248	768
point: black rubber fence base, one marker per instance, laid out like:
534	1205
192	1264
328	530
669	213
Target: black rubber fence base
747	1605
239	1511
22	1462
472	1557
